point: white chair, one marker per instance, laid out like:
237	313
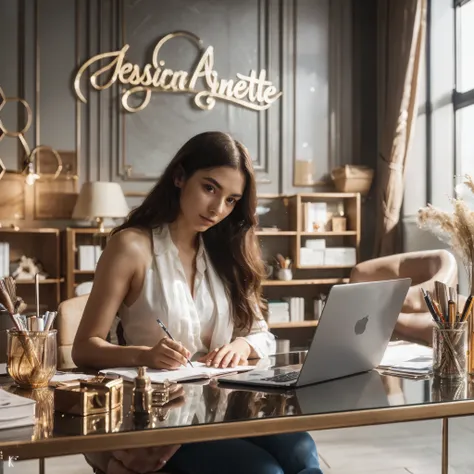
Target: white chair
83	288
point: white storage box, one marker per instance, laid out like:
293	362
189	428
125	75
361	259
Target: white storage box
315	244
311	257
340	256
278	312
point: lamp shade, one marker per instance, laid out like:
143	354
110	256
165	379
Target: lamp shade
100	199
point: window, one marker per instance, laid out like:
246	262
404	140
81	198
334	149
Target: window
463	97
465	50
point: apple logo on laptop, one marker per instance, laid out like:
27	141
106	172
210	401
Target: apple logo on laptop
361	325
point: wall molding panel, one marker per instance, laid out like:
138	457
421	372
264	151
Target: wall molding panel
304	45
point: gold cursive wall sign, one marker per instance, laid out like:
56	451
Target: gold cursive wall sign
253	91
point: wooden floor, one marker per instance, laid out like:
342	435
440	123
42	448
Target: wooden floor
405	448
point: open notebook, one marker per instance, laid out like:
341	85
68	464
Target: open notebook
408	357
198	372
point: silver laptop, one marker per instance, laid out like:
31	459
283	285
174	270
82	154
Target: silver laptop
352	335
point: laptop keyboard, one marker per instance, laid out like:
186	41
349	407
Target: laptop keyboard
288	377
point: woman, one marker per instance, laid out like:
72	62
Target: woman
188	255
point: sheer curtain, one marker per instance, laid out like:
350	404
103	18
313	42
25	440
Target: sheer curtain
401	39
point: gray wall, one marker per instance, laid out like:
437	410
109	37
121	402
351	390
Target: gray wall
307	47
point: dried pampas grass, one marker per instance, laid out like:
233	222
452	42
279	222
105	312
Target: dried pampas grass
456	228
469	183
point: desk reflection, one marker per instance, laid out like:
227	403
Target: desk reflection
211	402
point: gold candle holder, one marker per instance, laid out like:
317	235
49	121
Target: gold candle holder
32	357
450	351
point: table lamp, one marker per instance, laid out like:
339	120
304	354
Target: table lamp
100	199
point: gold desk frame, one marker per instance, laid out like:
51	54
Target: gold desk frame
69	445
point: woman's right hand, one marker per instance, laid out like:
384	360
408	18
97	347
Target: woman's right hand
167	354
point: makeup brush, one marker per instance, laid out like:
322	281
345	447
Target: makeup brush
7	302
11	287
281	260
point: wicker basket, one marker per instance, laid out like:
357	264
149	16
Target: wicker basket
353	179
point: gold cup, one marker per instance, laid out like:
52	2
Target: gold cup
32	357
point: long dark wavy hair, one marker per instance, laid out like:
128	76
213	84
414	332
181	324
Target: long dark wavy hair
231	244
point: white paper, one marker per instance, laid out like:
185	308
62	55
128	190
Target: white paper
16	410
408	356
199	371
67	377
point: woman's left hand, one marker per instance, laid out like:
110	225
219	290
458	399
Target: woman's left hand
229	355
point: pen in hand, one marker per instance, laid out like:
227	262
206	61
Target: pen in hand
171	337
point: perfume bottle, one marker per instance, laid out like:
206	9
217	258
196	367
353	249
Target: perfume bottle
142	393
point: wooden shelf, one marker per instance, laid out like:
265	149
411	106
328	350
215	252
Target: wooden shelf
20	230
324	267
42	243
328	195
272	196
329	234
293	324
84	272
89	230
48	281
275	233
315	281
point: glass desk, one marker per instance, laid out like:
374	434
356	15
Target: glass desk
210	410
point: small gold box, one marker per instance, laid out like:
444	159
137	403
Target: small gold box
111	385
76	400
108	422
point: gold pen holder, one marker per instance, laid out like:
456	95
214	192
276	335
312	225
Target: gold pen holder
450	352
32	357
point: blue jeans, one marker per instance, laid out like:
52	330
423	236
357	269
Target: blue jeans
291	453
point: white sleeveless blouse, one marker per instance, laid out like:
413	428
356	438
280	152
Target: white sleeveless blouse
200	324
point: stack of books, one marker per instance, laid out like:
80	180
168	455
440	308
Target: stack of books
296	308
290	309
89	256
16	411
